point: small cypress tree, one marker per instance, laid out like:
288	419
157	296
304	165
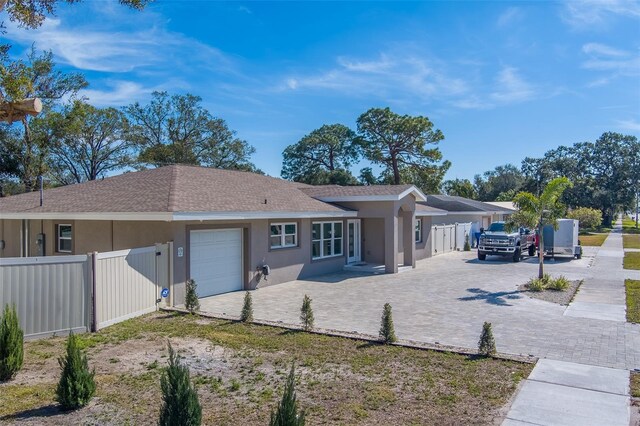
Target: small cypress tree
11	344
287	412
180	405
76	386
191	301
306	314
247	308
387	333
467	246
486	344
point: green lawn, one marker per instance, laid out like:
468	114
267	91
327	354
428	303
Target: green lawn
629	226
239	370
635	384
631	260
633	300
631	241
592	239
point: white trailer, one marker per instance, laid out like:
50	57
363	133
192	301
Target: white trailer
562	241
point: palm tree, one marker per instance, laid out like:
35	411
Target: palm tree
540	211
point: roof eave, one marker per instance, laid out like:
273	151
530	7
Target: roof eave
175	216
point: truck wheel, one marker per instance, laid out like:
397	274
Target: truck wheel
532	250
517	254
481	256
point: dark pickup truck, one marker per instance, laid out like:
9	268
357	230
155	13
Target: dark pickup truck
496	241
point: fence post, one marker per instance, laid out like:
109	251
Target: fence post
94	303
170	281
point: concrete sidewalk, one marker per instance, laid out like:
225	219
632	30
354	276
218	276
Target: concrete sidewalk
602	296
567	393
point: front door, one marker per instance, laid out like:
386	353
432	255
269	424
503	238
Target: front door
353	241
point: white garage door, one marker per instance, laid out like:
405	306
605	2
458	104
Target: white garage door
216	260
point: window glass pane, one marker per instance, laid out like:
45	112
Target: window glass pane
337	229
315	231
290	240
326	230
315	249
326	248
290	229
65	245
64	231
276	229
418	224
275	241
337	246
418	238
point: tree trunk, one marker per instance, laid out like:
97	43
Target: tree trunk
396	172
541	254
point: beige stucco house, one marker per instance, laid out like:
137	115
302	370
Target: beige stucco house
226	226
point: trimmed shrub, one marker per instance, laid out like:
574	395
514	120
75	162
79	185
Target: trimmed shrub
306	313
387	333
11	344
467	246
180	405
247	308
589	218
287	412
536	284
191	301
559	284
486	344
76	386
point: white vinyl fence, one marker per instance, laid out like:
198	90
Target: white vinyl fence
60	293
447	238
462	231
128	283
443	239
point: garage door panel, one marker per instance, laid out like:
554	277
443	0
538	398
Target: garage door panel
216	261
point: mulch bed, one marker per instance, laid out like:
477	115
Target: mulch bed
553	296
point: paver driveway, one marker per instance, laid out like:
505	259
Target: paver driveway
446	299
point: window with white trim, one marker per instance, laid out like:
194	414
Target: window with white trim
326	239
283	235
418	230
64	238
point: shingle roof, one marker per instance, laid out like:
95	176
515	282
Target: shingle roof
322	191
176	188
455	204
424	210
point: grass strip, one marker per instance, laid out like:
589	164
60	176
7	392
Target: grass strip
633	300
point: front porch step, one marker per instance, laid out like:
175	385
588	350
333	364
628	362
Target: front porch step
372	268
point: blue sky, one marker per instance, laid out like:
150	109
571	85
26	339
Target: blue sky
502	80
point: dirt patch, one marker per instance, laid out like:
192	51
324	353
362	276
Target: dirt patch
239	371
554	296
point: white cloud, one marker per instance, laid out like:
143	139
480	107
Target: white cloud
91	49
583	14
511	87
121	93
613	61
632	125
603	49
385	76
510	16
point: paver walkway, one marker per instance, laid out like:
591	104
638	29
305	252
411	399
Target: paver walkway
446	299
